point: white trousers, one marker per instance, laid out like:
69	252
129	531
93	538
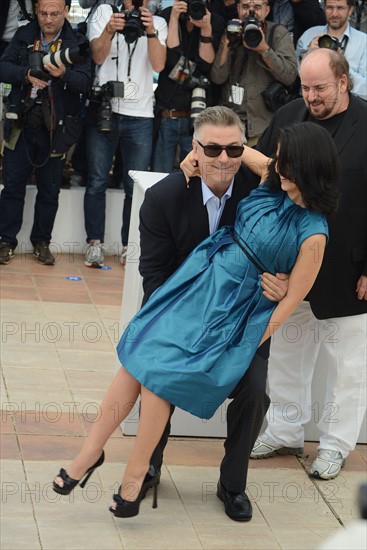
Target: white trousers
338	347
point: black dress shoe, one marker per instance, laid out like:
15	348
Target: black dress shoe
237	506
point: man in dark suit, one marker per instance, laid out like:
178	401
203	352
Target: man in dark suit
339	295
174	218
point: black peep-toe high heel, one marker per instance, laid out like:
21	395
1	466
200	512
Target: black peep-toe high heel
70	483
130	508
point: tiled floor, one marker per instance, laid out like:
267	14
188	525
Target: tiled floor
58	338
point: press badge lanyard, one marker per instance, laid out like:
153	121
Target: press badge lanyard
131	53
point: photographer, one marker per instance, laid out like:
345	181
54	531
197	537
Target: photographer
193	38
340	36
249	60
126	47
41	122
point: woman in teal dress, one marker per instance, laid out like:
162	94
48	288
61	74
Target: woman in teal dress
193	340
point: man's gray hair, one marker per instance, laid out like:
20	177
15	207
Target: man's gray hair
218	116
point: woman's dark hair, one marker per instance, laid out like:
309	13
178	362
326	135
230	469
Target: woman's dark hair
308	157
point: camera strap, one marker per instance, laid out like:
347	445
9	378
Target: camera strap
53	46
24	10
46	99
344	43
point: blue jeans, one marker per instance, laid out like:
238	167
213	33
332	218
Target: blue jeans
133	137
33	146
172	132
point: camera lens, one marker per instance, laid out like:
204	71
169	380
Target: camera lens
197	10
252	35
104	116
133	27
329	42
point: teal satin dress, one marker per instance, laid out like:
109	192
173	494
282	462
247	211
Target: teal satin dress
196	336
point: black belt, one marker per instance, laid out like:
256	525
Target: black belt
172	113
261	268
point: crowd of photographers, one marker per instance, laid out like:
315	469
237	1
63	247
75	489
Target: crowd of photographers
93	86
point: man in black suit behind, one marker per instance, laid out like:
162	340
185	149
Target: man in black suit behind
174	218
339	295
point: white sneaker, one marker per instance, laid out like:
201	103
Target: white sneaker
265	447
94	256
76	180
123	255
327	465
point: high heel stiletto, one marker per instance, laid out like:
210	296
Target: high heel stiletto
70	483
130	508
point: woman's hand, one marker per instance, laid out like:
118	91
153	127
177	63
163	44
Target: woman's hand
275	287
189	166
362	288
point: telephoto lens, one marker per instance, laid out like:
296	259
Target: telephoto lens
198	102
38	59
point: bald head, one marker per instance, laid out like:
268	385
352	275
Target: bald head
325	83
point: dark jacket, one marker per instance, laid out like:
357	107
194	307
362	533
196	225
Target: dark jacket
65	90
173	221
249	71
170	94
345	260
307	13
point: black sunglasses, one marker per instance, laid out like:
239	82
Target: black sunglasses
233	151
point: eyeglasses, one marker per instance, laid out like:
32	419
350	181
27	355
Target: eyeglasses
233	151
339	9
256	7
52	15
318	89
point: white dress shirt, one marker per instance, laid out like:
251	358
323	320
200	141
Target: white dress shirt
214	205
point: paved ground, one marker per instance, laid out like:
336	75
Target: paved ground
57	351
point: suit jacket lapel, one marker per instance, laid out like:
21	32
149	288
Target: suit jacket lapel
348	127
229	210
244	182
198	214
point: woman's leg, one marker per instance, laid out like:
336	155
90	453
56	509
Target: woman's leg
116	405
154	414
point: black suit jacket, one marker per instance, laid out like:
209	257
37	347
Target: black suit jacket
173	221
345	260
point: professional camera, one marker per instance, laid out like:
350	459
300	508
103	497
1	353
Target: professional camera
233	32
33	112
199	86
196	9
277	95
251	30
103	95
329	42
38	59
134	27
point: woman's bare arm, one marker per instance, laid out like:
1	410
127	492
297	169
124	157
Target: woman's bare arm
302	278
256	162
